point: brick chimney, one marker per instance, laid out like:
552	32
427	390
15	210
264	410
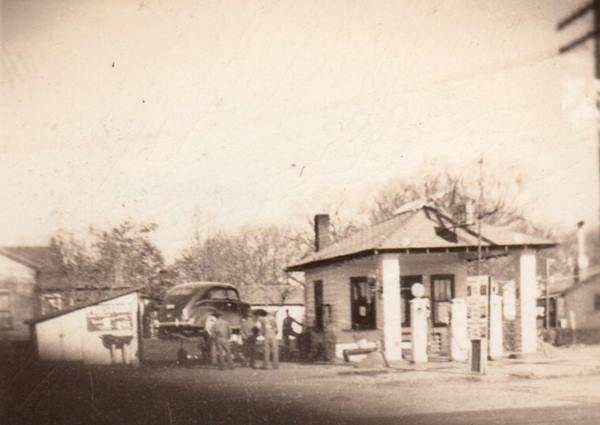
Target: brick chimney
322	236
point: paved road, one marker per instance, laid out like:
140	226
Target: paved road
294	395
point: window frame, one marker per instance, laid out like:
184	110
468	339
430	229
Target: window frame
215	291
8	311
318	288
371	313
432	280
236	296
53	301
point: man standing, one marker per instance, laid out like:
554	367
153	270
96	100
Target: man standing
222	333
287	329
210	341
153	322
268	329
249	332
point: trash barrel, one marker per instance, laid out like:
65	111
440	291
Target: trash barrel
478	356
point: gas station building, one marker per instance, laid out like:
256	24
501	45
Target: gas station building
359	290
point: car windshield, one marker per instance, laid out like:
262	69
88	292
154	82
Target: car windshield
232	294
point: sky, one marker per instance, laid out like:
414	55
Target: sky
206	115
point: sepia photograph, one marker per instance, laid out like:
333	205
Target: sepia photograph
299	212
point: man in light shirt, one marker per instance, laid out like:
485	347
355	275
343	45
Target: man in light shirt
222	334
268	330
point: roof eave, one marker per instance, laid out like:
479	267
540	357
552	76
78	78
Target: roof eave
318	263
71	309
421	250
18	259
584	282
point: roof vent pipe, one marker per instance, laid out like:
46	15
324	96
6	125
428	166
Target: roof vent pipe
469	213
582	259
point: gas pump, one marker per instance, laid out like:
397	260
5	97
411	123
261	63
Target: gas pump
419	313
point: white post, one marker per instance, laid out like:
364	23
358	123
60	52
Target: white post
527	285
572	322
582	258
392	316
573	325
509	301
496	340
459	341
418	321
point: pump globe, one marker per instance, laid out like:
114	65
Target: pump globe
418	290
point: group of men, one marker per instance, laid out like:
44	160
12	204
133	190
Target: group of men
251	327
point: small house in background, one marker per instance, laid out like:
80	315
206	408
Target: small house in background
359	289
101	332
276	299
571	308
32	280
582	310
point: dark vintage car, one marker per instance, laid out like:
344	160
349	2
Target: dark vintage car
186	307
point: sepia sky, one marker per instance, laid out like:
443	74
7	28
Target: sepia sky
203	115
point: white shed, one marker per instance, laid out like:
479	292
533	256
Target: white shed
102	332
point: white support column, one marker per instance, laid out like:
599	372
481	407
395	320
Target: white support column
496	338
459	340
392	316
527	286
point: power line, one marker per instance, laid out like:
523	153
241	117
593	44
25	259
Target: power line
593	34
481	72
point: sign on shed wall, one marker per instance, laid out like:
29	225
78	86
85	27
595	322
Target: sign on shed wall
109	317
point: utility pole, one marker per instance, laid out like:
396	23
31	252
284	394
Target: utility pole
593	34
549	261
479	214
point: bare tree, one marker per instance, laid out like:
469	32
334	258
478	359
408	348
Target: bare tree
253	256
450	190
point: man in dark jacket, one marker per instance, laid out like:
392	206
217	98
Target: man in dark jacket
288	330
249	332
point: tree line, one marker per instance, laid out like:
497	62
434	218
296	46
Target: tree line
125	256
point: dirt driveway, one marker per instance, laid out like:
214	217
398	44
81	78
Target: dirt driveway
295	394
67	394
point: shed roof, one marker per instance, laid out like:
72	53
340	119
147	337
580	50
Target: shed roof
423	229
79	306
591	279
